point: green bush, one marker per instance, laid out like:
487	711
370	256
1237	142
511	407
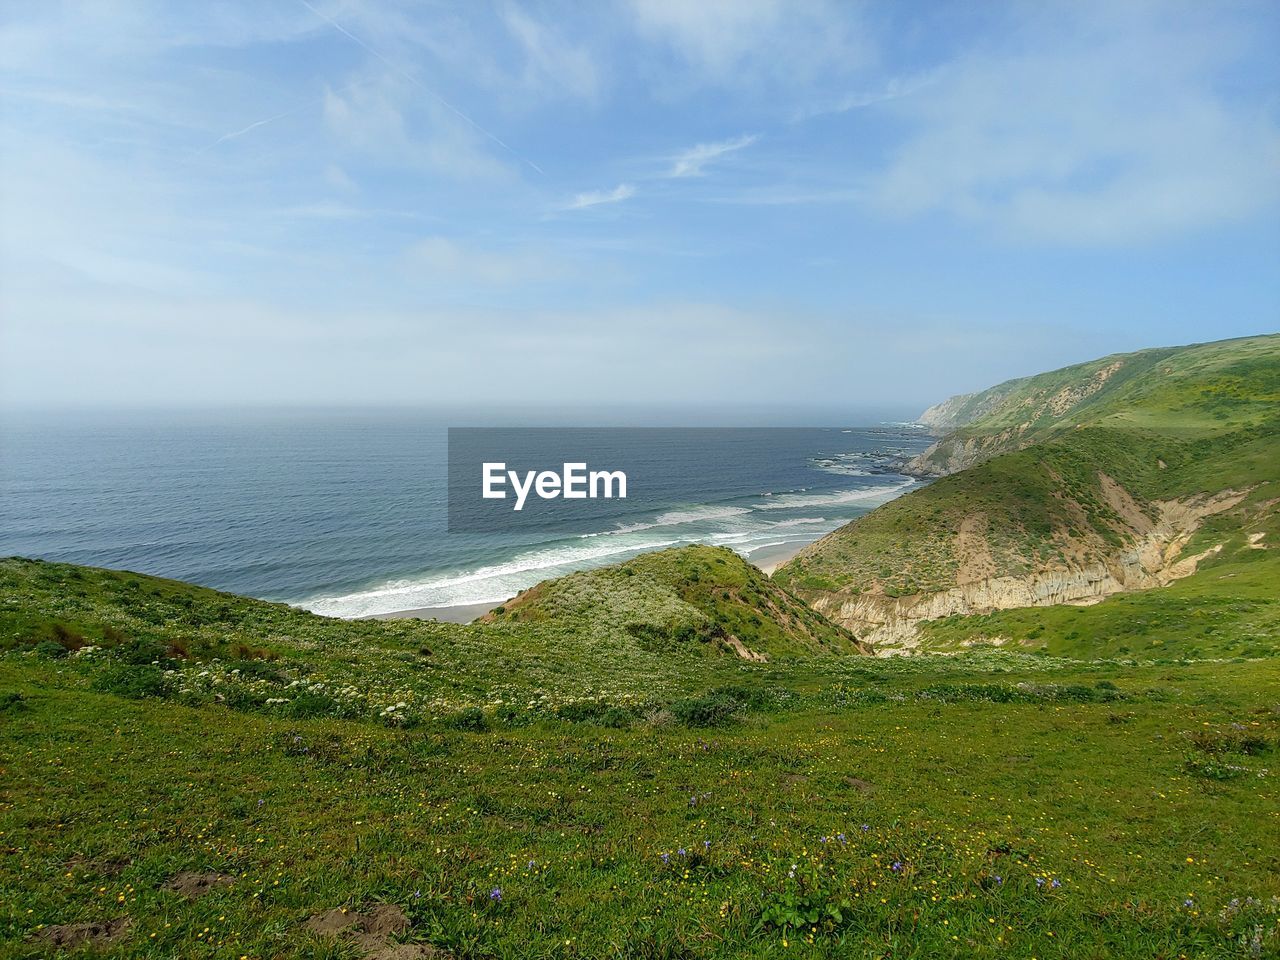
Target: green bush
50	649
134	681
472	718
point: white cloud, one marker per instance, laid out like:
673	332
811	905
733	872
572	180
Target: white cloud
691	161
594	198
389	122
746	43
552	64
1098	129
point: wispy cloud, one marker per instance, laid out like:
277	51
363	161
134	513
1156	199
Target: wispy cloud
420	85
691	161
895	88
594	198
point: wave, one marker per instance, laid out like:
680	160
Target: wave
487	584
788	501
674	518
741	528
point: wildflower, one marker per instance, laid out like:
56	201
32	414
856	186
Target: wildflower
1056	884
897	866
706	844
683	852
1039	881
866	827
534	863
496	894
999	879
666	858
841	837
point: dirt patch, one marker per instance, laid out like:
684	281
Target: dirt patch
1119	500
862	786
1255	541
409	951
741	650
99	867
973	551
371	931
193	885
68	936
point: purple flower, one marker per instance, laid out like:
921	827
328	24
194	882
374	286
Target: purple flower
1039	881
866	827
666	858
999	879
897	866
532	864
1056	884
496	894
683	852
1188	902
841	837
706	844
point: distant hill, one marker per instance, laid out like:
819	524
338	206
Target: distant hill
681	598
1121	474
1160	382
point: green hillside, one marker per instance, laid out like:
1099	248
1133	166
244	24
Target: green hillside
1173	463
1191	391
189	773
698	597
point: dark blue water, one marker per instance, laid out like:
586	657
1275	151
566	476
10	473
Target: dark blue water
346	513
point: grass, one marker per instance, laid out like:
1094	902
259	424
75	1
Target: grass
581	826
989	803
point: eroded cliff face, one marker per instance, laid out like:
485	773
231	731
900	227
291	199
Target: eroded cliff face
1154	556
1029	410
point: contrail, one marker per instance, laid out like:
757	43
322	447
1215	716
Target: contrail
279	116
418	83
253	126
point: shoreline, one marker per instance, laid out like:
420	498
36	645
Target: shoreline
767	558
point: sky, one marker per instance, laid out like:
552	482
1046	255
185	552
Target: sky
791	203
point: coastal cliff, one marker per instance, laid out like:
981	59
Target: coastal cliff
1123	474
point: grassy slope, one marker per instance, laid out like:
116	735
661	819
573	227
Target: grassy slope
984	805
1203	388
677	597
1187	423
643	634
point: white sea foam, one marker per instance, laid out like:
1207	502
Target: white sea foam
488	584
742	529
674	518
788	501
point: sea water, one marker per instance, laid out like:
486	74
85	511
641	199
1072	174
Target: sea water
345	512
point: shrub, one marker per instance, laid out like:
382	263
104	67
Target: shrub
472	718
713	709
308	703
50	649
134	681
139	651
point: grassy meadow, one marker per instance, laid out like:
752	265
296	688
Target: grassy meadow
546	804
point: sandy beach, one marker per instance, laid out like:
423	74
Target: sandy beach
767	559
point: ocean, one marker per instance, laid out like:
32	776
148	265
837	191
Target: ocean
345	513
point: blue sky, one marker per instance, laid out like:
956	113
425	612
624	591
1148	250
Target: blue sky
729	201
